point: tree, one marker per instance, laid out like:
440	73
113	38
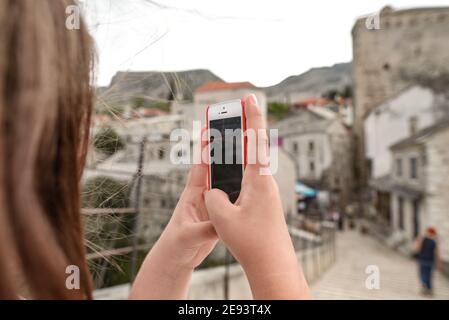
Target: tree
108	141
138	102
347	92
278	110
331	94
105	192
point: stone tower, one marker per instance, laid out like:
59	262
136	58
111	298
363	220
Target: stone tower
405	47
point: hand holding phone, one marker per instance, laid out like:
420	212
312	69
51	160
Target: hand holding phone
254	228
227	148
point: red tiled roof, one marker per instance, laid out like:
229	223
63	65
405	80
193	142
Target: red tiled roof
313	101
150	112
220	85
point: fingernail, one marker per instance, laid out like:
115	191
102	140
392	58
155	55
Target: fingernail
253	98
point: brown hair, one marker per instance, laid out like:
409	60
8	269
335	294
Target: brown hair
45	106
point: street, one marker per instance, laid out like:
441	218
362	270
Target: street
398	274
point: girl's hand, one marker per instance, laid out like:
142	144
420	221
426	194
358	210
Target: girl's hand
188	238
254	228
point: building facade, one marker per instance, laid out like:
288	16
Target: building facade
321	146
408	47
420	185
397	118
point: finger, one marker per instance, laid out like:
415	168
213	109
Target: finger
254	116
204	152
198	173
257	140
218	205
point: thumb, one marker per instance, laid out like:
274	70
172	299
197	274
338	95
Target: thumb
218	204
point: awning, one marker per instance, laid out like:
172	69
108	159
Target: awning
407	192
305	191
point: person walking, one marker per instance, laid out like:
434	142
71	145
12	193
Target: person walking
427	254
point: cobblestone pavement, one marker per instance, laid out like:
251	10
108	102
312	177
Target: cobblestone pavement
398	274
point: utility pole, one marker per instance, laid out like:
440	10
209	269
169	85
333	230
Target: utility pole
138	177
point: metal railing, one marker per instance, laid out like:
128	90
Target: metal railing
316	252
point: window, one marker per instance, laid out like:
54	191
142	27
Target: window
413	168
401	213
415	218
413	125
312	166
295	148
163	203
311	146
399	167
161	153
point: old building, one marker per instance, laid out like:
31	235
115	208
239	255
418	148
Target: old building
321	145
409	111
407	47
399	117
420	184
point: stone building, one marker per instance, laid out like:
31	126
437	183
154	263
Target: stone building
409	47
321	145
420	185
399	117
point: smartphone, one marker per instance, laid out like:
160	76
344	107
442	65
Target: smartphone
226	123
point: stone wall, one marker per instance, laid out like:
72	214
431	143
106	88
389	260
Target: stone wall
410	45
437	200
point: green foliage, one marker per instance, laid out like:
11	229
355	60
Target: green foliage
118	270
332	94
103	232
278	110
105	192
161	105
347	92
108	141
138	102
103	108
172	90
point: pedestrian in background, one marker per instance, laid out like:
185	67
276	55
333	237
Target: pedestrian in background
428	256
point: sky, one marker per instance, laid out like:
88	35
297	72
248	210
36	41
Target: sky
261	41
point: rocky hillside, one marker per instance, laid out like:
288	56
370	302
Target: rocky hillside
128	88
133	88
316	81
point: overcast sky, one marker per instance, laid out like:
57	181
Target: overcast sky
262	41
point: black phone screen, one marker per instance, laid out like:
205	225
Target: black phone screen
226	155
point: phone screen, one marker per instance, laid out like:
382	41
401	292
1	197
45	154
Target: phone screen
227	165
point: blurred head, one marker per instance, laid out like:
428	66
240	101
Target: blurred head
45	108
431	231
